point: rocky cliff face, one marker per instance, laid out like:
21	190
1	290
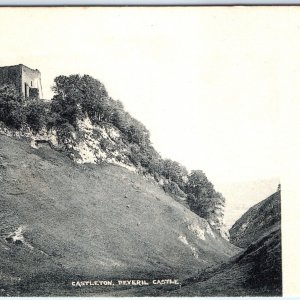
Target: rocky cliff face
257	221
89	144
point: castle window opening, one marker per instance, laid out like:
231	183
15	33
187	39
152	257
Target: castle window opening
25	90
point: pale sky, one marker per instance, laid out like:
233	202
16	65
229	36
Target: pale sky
207	82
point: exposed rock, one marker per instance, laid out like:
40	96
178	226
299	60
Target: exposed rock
16	236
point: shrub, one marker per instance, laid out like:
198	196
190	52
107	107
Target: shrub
173	188
12	112
36	114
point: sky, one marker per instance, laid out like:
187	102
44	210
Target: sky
207	82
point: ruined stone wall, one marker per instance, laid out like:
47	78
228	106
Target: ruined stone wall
31	79
11	75
27	81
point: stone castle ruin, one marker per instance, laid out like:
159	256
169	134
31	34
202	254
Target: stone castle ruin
27	81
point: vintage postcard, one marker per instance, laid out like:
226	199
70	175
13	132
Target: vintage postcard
139	150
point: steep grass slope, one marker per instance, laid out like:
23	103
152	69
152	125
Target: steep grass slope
257	221
254	272
60	221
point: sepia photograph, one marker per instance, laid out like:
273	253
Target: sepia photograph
140	150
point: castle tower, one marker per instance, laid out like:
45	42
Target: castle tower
27	81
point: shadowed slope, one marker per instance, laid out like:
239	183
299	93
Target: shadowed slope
258	220
254	272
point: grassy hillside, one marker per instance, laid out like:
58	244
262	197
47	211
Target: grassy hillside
256	271
91	127
61	221
257	221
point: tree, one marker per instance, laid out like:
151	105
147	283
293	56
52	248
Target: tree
36	112
76	96
156	163
199	185
203	199
121	119
11	107
137	133
174	171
